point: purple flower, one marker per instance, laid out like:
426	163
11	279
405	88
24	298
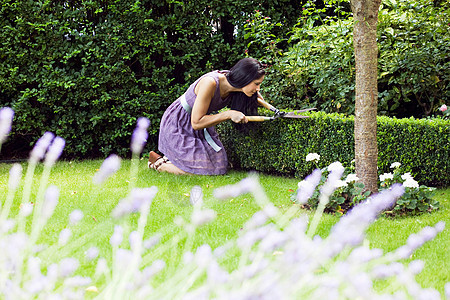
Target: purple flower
134	239
54	151
203	256
15	174
39	149
67	266
307	187
75	216
447	290
245	186
50	201
26	209
117	237
416	266
109	166
139	200
77	281
6	118
204	216
92	253
140	135
143	123
152	241
64	236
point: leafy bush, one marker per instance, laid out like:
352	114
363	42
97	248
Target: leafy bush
350	192
280	147
87	70
413	65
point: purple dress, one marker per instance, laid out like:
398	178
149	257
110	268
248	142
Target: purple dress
194	151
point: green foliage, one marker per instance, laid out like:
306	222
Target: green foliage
349	192
413	73
280	147
86	70
347	195
416	199
414	65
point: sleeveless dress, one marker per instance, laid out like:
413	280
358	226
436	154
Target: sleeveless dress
194	151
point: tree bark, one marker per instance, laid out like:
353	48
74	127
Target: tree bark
365	13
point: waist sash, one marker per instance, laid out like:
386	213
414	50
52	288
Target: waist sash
208	137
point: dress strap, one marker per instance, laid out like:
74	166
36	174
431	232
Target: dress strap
185	105
208	137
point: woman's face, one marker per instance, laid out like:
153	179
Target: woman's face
252	87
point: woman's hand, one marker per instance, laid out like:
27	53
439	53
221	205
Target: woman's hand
237	117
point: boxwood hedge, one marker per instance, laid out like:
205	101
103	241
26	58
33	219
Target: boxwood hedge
422	146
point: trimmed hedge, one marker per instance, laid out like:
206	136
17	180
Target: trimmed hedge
280	147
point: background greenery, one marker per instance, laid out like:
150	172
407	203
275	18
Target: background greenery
86	70
318	66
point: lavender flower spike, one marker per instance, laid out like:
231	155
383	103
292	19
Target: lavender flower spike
51	200
307	187
109	166
6	118
245	186
40	147
140	134
15	174
54	151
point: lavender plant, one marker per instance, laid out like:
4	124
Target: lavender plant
279	253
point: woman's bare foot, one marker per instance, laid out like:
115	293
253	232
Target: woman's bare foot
162	164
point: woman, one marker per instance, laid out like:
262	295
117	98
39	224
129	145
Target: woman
187	136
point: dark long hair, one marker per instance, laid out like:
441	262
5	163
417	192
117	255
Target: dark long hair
241	74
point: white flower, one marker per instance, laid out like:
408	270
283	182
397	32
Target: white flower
336	166
411	183
312	157
407	176
386	176
340	183
351	178
395	165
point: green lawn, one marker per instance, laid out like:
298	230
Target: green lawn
78	192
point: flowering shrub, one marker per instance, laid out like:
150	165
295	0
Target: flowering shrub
279	254
349	192
416	199
445	111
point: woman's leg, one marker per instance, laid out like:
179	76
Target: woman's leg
162	164
171	168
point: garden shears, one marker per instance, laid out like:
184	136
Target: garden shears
280	114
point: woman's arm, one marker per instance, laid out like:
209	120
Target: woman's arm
199	117
264	104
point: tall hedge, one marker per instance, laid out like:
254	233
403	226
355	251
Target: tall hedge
86	70
422	146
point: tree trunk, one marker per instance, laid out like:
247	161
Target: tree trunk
365	13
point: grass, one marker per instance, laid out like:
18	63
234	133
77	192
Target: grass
78	192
